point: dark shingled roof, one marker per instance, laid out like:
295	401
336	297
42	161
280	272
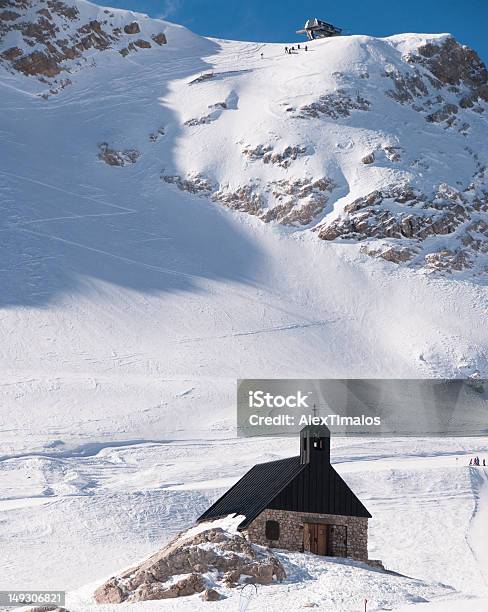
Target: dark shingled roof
288	484
253	492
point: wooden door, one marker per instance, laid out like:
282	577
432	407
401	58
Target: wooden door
318	538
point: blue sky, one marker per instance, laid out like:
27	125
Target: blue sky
277	20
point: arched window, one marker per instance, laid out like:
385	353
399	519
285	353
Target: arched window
272	530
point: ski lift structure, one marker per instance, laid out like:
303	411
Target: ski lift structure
316	28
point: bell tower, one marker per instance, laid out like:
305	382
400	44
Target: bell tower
315	445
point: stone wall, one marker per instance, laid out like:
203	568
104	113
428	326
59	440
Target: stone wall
294	532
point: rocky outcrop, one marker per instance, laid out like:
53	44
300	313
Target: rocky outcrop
299	201
445	231
448	260
340	103
61	37
132	28
196	183
407	86
371	216
182	568
113	157
159	39
288	201
454	64
215	109
398	254
282	158
440	72
244	199
142	44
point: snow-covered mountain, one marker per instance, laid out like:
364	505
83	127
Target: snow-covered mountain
376	142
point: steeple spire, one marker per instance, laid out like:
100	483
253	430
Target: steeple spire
315	444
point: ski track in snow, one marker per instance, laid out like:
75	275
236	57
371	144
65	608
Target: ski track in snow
269	330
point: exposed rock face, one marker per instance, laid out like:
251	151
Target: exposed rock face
282	158
132	28
438	72
159	39
215	111
396	255
206	76
60	36
370	217
289	202
455	64
142	44
192	184
407	218
37	63
244	199
448	260
117	158
178	569
299	200
335	105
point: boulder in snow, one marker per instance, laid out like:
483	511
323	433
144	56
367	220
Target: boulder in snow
132	28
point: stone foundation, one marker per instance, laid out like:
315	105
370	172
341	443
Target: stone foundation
348	537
